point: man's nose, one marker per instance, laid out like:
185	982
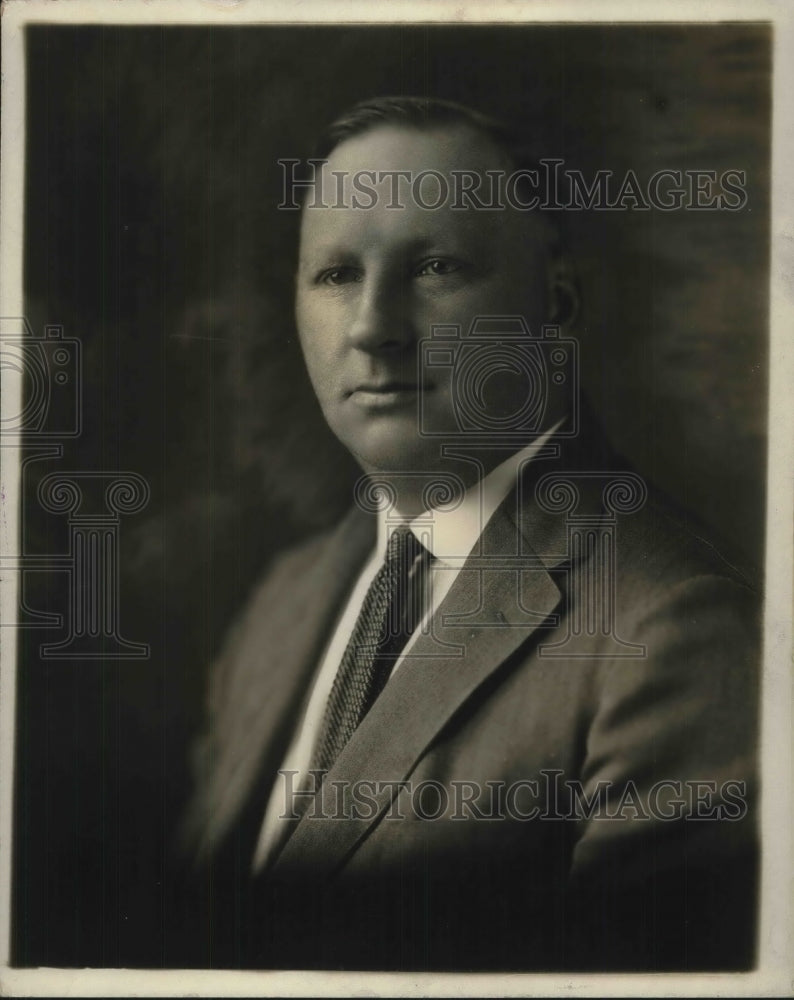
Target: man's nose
382	321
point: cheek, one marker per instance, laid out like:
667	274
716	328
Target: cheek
324	369
315	360
319	368
315	333
322	321
527	299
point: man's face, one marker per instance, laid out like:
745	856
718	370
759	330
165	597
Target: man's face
372	281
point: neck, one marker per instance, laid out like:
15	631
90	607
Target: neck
411	493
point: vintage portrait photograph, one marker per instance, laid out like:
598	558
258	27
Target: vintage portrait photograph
389	489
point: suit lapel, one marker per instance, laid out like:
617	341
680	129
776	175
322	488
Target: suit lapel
495	604
267	677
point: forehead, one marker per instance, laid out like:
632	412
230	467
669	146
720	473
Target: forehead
373	159
402	147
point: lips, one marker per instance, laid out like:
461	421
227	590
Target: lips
386	387
383	396
389	386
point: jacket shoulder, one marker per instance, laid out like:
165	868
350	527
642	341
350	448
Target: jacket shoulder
669	544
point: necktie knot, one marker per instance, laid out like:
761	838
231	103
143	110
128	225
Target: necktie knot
401	541
403	594
402	550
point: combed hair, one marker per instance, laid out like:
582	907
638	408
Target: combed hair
419	113
427	113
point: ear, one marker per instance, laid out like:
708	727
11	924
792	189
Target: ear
564	298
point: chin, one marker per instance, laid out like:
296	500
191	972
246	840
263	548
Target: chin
393	455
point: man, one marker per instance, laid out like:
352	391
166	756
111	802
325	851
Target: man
503	717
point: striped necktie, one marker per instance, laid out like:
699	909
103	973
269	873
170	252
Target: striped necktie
391	611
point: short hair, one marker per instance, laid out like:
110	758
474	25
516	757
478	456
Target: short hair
426	113
418	113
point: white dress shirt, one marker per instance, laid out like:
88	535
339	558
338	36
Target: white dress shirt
449	535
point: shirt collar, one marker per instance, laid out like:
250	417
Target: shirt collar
450	535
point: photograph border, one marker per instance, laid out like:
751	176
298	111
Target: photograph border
774	974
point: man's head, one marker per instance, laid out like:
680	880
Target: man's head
379	267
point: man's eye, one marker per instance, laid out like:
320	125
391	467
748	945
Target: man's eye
339	276
437	267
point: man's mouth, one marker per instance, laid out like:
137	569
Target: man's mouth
384	394
395	385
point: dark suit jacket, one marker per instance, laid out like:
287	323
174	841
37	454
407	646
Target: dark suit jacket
595	638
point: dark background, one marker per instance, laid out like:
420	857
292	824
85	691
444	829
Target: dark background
152	235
